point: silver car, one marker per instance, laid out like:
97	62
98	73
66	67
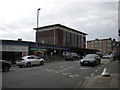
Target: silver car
5	65
90	59
29	61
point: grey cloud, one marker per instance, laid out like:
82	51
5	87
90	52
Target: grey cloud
98	20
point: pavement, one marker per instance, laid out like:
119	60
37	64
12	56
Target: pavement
99	81
102	82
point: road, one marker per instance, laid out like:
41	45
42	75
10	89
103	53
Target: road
62	74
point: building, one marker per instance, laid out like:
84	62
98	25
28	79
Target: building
60	35
11	50
105	46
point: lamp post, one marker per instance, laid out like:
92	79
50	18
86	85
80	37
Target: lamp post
38	16
119	35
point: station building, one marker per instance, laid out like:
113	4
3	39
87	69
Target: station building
61	35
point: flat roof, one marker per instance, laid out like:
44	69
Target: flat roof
59	25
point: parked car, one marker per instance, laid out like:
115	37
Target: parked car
90	59
5	65
72	56
106	56
29	61
115	56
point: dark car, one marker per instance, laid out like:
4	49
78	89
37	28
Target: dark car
5	65
72	56
90	59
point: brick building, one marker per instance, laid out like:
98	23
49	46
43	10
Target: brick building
60	35
105	46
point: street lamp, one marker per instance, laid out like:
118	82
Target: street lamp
38	16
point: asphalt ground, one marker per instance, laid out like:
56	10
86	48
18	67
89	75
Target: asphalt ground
60	74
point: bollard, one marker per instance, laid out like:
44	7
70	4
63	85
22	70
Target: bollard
105	73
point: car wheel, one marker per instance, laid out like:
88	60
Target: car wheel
5	68
20	66
28	64
93	64
41	63
82	64
99	62
66	59
73	59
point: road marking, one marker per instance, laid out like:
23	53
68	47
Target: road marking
64	73
92	74
83	68
65	69
61	66
86	77
95	70
50	70
76	75
56	71
71	76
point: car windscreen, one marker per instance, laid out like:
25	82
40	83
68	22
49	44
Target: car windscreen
90	56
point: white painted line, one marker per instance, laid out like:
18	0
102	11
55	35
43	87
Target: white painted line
65	73
95	70
65	69
83	68
56	71
92	74
76	75
71	76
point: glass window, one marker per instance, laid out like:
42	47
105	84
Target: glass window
64	38
30	57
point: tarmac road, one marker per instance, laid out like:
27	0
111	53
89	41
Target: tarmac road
62	74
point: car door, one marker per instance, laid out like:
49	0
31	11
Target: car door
36	60
31	60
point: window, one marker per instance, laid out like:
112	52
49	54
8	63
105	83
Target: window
68	39
75	40
109	41
30	57
64	38
96	41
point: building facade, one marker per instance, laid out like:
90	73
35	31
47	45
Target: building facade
11	50
60	35
105	46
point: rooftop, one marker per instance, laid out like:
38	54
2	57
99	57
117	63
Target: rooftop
58	26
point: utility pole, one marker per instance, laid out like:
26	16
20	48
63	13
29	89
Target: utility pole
119	34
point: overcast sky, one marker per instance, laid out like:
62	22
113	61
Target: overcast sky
97	18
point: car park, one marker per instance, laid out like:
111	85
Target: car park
72	56
29	61
90	59
5	65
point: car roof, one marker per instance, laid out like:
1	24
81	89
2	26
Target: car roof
91	55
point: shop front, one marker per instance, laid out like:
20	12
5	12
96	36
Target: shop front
11	52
